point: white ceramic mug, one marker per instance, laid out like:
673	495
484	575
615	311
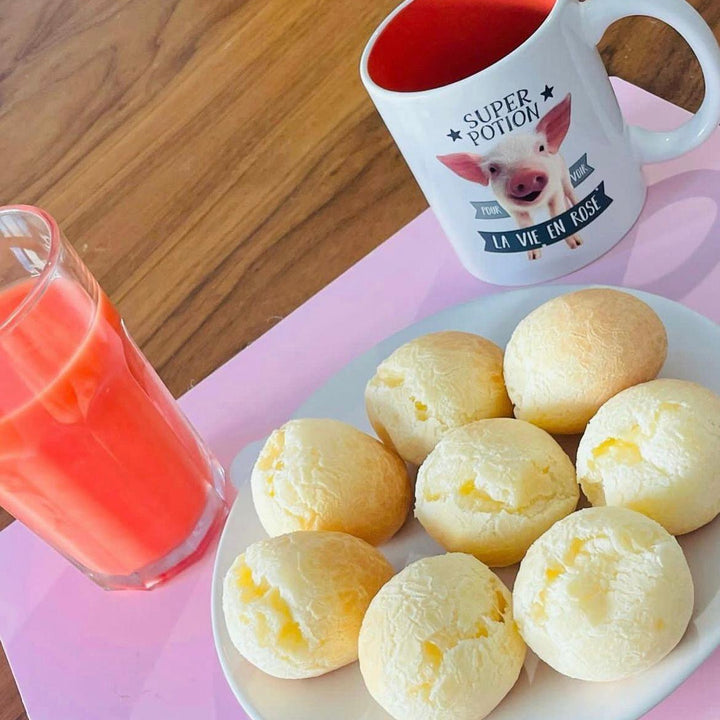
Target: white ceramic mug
504	112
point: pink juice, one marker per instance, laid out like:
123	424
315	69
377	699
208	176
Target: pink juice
95	457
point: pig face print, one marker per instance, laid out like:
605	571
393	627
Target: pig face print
526	171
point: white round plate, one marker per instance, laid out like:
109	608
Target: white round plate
540	692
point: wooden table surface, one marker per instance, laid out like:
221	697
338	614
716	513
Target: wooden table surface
216	162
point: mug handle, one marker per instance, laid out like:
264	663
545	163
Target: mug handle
597	15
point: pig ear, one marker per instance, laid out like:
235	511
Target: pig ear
556	124
467	166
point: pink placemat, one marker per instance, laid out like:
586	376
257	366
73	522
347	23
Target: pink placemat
79	653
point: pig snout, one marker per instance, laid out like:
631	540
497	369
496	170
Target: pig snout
527	185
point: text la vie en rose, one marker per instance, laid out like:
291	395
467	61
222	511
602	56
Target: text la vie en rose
578	217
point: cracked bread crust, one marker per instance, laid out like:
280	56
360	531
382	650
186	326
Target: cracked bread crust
493	487
433	384
319	474
293	604
439	641
604	594
574	352
655	448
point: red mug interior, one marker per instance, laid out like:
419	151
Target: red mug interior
432	43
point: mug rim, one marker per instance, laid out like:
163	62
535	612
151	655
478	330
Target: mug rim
376	89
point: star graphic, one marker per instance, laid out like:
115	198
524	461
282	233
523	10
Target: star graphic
454	135
547	93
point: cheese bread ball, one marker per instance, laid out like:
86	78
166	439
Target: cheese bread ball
439	642
655	448
293	604
604	594
433	384
326	475
493	487
570	355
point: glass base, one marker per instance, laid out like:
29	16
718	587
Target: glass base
211	520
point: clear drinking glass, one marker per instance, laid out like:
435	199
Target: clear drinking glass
95	455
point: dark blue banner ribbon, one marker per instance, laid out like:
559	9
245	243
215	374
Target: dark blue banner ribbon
551	231
580	171
489	210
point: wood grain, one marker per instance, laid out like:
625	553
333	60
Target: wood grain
217	162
